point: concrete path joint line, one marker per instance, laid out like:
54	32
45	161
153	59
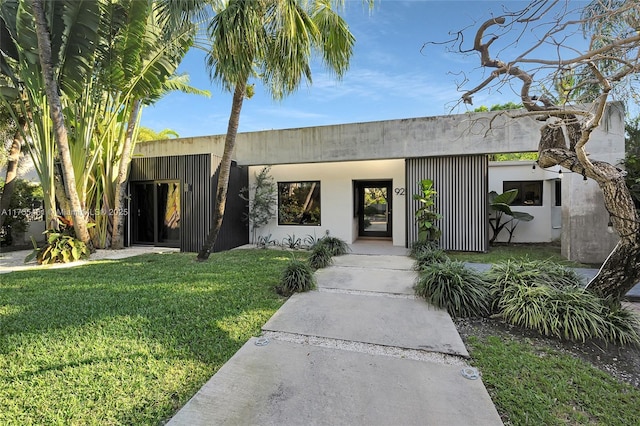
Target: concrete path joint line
368	348
365	293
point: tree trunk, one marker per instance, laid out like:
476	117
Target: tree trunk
621	271
117	240
60	131
12	172
225	171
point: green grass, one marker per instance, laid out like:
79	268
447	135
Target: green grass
127	341
534	385
501	253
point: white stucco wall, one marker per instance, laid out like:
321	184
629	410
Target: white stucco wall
547	223
337	197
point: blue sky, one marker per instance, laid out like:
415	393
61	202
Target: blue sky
389	77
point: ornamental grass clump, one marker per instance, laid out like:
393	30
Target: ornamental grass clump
452	286
428	257
320	257
531	273
297	277
551	300
422	246
336	246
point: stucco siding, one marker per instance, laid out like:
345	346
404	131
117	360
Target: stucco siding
337	197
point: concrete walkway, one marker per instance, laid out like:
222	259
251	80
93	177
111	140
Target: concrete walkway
361	350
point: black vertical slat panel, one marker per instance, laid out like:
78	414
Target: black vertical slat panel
235	230
194	174
462	186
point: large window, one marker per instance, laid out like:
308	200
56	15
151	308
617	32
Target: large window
529	192
299	203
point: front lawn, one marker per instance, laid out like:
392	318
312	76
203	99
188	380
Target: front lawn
534	384
127	341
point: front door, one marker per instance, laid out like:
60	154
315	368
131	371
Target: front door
374	208
156	213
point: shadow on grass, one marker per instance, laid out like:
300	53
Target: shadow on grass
143	333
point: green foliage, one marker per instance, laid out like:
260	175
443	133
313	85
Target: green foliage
262	200
426	255
320	257
310	241
27	196
531	273
532	383
146	134
336	246
632	158
514	156
265	241
462	291
502	253
110	59
127	341
499	206
296	277
425	215
420	246
499	107
60	247
292	242
551	300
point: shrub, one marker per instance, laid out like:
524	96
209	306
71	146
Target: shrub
336	246
622	325
450	285
292	242
61	247
296	277
421	246
310	241
531	273
265	241
426	258
320	257
23	208
550	299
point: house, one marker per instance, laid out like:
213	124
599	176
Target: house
357	181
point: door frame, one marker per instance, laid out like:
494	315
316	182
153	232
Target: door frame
154	218
359	187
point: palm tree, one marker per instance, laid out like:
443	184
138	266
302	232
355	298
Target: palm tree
110	58
60	131
273	39
146	134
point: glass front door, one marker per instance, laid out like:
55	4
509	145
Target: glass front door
374	215
156	213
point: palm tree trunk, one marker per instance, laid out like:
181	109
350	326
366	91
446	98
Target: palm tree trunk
117	240
224	171
12	171
60	131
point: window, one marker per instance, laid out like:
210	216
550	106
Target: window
299	203
529	192
558	193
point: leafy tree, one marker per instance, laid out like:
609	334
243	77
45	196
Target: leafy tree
20	209
110	59
273	39
146	134
262	200
609	64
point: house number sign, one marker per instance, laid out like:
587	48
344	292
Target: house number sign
399	191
